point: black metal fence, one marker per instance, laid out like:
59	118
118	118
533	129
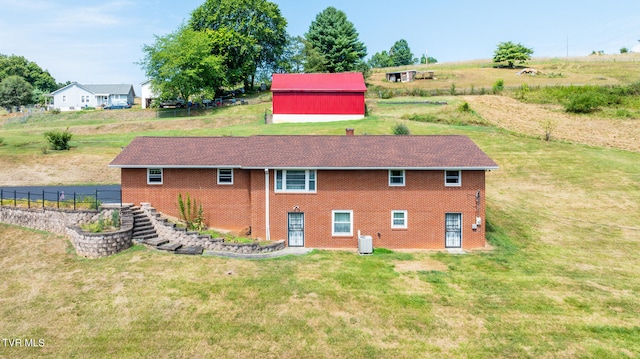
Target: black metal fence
59	199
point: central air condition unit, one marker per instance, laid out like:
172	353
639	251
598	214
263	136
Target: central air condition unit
365	244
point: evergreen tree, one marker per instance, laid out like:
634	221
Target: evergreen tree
400	53
332	44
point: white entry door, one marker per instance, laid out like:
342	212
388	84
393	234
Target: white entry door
296	229
453	230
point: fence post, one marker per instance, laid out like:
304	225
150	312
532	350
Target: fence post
74	201
15	198
28	199
42	199
1	197
96	199
58	199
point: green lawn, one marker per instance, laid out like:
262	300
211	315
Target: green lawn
561	281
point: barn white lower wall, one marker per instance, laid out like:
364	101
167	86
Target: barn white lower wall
282	118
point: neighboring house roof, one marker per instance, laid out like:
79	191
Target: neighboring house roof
317	152
342	82
120	89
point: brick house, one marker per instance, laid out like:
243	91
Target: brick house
404	191
318	97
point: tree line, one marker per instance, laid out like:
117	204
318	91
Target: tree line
229	43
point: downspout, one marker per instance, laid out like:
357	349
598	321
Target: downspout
266	209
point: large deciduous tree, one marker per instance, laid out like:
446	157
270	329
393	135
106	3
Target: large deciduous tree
380	59
258	33
510	53
15	91
30	71
332	44
181	64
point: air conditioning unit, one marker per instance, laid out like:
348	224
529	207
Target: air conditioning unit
365	245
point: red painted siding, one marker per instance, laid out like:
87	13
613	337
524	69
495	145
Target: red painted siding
318	103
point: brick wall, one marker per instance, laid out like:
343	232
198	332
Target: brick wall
225	206
242	205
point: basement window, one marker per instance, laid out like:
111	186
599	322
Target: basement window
342	225
399	219
154	176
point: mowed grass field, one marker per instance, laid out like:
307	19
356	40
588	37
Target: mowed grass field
559	281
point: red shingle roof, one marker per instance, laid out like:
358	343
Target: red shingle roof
343	82
317	152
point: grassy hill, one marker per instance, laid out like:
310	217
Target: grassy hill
560	281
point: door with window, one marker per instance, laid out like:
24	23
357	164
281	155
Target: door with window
453	230
296	229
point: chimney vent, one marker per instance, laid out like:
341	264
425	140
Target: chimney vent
350	131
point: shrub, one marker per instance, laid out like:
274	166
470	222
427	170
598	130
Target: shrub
464	107
401	129
191	213
55	111
498	86
583	102
59	140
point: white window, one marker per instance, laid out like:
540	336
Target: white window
396	177
64	98
398	219
453	178
154	176
295	181
82	98
225	175
342	223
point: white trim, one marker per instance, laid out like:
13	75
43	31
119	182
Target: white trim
149	176
458	184
404	179
405	218
308	168
333	223
289	118
218	176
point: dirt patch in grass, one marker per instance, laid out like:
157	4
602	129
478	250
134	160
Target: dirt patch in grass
424	264
516	116
53	170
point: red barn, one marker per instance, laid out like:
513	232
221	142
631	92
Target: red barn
318	97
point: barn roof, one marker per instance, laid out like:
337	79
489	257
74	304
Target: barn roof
343	82
313	152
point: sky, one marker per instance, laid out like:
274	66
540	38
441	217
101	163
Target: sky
100	42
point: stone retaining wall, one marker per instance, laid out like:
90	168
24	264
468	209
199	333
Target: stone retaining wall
46	219
68	222
169	231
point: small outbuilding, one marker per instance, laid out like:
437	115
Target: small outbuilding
318	97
